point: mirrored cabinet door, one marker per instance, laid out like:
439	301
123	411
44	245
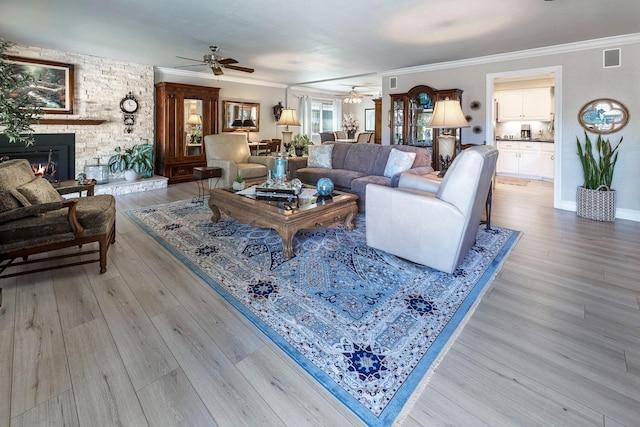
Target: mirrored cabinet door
193	127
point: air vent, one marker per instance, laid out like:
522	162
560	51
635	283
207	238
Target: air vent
611	58
393	82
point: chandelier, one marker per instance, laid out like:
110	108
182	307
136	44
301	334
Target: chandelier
353	97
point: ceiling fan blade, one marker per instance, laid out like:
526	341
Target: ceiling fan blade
217	70
202	64
189	59
238	68
227	61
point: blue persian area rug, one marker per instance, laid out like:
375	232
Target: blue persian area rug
365	324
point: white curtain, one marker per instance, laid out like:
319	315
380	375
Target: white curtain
304	115
337	118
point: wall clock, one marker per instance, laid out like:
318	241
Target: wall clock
129	105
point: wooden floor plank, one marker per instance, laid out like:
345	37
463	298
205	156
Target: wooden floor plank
228	395
7	309
143	282
59	411
76	302
172	401
144	353
289	395
102	389
40	369
441	412
6	368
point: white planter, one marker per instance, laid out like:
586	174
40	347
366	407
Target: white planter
238	185
131	175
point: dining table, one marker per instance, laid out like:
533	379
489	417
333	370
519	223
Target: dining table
346	140
255	147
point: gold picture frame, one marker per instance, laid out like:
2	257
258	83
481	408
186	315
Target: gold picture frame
55	83
236	114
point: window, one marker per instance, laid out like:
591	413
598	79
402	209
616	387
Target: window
321	116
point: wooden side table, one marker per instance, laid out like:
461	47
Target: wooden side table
62	185
200	174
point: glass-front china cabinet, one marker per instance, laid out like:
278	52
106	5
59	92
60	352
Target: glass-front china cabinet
410	116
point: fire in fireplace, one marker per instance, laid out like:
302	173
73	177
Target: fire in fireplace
53	155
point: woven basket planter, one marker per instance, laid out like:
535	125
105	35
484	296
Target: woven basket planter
596	204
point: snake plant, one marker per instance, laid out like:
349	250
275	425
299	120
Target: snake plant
598	170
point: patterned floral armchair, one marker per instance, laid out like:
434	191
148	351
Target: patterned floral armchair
35	218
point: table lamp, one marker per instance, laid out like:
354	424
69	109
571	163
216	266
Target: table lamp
288	118
448	115
193	121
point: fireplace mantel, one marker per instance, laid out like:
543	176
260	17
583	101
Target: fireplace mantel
68	122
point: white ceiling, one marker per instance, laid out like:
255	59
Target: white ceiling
335	43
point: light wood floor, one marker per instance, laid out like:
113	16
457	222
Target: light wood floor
555	342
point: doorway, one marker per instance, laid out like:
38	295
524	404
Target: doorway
554	74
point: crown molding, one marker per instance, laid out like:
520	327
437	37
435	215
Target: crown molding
210	76
522	54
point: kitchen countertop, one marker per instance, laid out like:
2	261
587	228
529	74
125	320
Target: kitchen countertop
526	140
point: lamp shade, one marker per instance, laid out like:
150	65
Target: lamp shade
289	117
237	123
194	119
248	123
448	114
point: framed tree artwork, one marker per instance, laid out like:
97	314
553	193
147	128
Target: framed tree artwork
54	83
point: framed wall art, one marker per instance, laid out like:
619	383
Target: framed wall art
54	85
603	116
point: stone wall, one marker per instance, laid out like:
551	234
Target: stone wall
100	84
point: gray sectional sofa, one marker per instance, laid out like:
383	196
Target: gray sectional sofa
356	165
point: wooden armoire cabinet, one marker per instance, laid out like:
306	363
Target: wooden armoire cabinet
184	114
410	115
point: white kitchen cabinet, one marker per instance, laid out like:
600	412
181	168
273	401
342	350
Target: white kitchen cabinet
519	158
524	104
547	153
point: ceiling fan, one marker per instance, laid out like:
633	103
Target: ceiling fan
217	62
355	97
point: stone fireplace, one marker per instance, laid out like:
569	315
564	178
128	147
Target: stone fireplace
53	155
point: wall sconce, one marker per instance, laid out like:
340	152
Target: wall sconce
277	110
448	115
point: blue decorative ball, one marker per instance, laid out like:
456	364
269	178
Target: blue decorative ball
324	187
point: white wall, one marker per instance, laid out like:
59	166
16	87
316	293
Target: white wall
583	79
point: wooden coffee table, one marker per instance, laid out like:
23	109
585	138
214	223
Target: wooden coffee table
287	222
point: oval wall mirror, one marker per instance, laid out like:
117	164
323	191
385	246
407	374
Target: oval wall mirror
603	116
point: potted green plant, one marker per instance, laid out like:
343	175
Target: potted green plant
300	144
133	161
238	183
17	108
596	199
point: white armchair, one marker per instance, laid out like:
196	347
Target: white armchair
230	152
430	223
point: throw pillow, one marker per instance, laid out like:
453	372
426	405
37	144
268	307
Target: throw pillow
20	198
320	156
398	161
39	190
8	201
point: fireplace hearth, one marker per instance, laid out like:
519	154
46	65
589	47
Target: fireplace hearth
53	155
